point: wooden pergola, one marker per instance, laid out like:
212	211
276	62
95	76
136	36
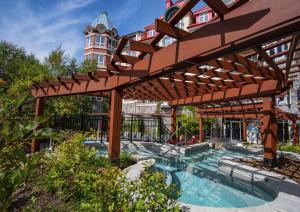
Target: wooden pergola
224	63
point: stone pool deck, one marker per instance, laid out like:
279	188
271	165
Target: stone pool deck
152	148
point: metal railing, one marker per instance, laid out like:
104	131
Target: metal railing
134	127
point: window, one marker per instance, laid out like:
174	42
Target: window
111	44
99	59
89	57
151	33
167	41
100	40
180	24
284	47
279	49
132	53
88	41
203	17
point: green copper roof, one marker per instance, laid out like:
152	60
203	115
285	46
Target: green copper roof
102	19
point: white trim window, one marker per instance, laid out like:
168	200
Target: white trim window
111	44
151	33
203	17
180	24
88	41
100	40
100	59
89	57
131	53
167	41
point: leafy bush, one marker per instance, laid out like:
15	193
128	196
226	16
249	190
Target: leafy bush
15	166
126	159
92	183
290	148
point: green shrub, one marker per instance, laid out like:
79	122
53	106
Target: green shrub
91	183
126	159
290	148
15	166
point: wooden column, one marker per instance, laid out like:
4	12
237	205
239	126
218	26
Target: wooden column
115	125
38	111
269	129
173	119
201	129
244	130
295	131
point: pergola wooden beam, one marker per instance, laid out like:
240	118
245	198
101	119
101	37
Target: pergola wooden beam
269	61
252	67
254	106
233	116
225	75
290	56
246	92
141	47
218	6
125	59
188	5
237	4
256	16
167	29
121	44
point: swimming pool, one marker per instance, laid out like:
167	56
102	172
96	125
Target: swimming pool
200	183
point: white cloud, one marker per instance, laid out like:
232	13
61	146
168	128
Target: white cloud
40	32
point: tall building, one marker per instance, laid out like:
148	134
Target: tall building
101	40
101	37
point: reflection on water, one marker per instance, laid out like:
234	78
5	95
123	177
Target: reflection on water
198	179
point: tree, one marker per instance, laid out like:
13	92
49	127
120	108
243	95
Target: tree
18	70
189	120
60	64
88	66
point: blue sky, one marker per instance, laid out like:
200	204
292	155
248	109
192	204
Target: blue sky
40	26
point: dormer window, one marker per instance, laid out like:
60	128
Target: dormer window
100	40
168	41
180	24
88	41
151	33
203	17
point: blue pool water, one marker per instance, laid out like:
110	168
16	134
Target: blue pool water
200	183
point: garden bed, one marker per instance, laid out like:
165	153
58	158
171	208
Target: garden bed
288	166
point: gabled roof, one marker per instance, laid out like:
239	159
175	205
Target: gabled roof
102	19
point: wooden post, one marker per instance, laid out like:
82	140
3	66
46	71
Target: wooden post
269	129
173	119
201	129
115	125
295	131
39	110
244	130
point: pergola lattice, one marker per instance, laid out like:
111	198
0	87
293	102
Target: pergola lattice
224	63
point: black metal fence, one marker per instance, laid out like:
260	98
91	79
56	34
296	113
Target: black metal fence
134	127
139	128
